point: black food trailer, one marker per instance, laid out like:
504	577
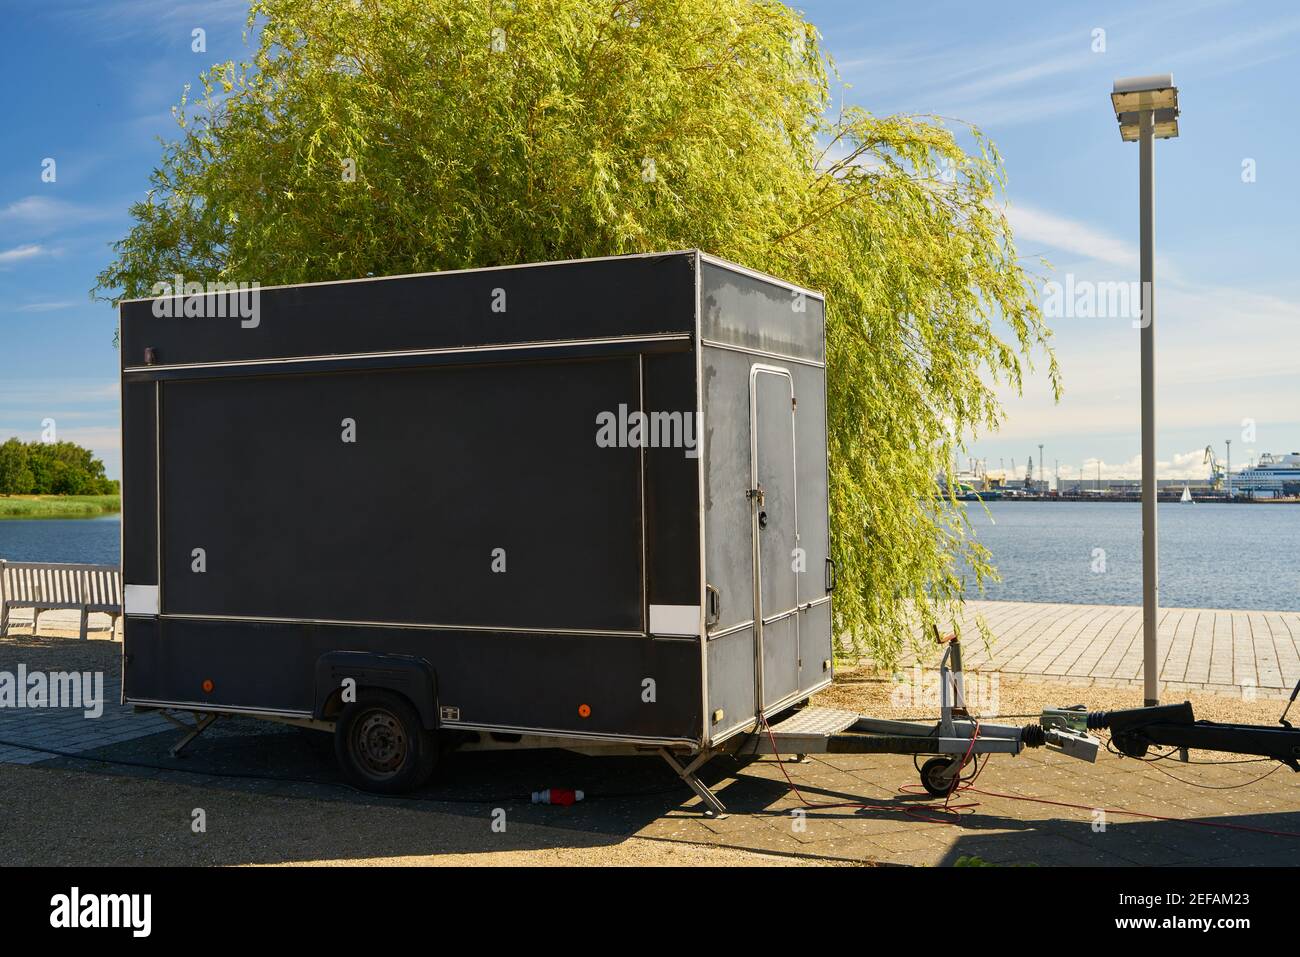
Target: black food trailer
578	504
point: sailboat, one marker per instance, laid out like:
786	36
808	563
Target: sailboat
1187	494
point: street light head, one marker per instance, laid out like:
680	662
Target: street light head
1135	95
1164	125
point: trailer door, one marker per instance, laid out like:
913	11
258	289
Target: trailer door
773	502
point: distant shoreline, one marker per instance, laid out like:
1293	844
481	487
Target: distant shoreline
58	506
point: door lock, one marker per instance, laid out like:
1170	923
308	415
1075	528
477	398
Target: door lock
756	495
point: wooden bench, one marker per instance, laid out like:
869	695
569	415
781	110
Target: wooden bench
46	586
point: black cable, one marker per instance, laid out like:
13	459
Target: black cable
1219	787
1174	749
1196	784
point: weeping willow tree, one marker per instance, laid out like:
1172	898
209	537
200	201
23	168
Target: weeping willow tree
372	137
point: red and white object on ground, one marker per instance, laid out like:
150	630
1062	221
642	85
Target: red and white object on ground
560	796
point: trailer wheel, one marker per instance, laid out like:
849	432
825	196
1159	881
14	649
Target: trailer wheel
937	775
381	746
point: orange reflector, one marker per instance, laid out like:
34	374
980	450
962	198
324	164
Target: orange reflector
584	711
207	686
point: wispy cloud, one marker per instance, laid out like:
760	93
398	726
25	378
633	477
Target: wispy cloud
1236	51
1037	226
41	215
1041	71
46	306
46	394
162	19
21	253
1040	232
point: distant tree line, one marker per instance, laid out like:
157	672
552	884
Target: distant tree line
51	468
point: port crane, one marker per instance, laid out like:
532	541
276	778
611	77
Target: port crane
1216	468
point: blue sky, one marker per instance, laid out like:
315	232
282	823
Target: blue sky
98	79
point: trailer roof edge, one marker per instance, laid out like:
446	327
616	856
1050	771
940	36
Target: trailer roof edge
447	272
758	274
709	257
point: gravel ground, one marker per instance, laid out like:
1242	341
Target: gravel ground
95	819
54	652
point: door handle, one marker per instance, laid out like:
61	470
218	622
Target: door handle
830	575
762	519
712	607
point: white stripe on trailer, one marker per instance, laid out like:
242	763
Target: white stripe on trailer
141	599
675	620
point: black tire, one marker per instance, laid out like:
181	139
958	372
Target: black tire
937	776
381	745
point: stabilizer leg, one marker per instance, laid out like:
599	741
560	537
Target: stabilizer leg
201	723
714	807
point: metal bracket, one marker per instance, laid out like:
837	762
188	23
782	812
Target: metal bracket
952	688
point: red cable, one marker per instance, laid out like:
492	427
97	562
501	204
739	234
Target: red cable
793	787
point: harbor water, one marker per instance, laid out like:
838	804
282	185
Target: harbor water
84	541
1212	555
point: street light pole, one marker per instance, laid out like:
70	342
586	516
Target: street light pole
1147	109
1150	568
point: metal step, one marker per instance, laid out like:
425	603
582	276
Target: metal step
815	721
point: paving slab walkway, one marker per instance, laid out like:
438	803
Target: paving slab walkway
1248	653
67	729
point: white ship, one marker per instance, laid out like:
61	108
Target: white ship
1273	475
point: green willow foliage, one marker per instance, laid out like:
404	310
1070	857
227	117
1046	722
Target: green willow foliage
490	133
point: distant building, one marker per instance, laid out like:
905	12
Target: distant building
1127	486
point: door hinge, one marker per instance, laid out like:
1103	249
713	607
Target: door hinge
794	402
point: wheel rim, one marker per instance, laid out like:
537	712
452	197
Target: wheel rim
940	778
379	743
